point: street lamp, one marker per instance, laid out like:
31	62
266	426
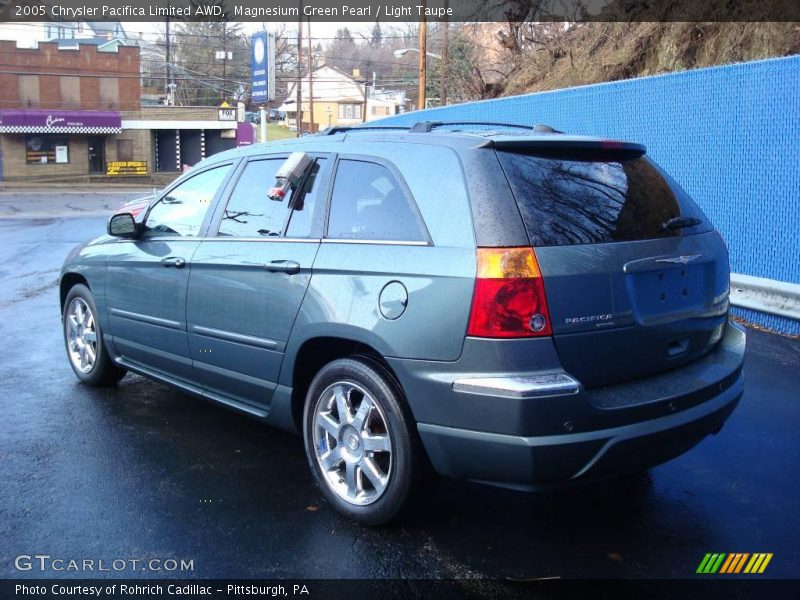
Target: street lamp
402	51
423	68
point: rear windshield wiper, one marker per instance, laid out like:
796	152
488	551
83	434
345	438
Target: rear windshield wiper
679	223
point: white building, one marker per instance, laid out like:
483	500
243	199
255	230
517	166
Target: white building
339	100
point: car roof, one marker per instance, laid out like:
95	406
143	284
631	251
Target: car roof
456	135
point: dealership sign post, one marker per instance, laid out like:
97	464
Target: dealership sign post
262	61
263	67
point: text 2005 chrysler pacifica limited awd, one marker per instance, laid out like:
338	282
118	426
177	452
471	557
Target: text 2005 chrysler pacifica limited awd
503	304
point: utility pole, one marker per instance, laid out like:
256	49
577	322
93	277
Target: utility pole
443	61
310	82
423	58
167	69
299	99
224	58
364	111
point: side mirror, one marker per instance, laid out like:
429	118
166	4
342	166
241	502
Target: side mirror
122	225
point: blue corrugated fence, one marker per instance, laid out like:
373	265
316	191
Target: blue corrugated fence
730	135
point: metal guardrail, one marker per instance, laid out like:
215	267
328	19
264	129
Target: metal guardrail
766	295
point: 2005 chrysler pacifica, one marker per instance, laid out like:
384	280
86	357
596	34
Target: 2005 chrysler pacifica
509	305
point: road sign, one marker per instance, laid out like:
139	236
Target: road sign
262	62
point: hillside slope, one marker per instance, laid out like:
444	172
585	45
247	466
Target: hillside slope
597	52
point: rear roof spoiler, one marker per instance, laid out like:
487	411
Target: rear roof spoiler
563	144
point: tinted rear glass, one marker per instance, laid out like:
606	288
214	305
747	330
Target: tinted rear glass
572	200
368	203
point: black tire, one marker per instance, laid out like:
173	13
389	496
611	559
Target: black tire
103	371
407	463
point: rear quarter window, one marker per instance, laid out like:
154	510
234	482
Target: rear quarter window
369	203
574	199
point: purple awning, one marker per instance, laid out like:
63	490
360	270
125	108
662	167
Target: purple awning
59	121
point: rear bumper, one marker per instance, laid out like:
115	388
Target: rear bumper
539	462
587	434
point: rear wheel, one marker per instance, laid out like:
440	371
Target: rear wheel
361	441
84	340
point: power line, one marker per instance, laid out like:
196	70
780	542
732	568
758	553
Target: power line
193	80
355	39
116	74
358	41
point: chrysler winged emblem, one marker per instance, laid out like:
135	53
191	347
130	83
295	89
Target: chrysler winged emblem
682	260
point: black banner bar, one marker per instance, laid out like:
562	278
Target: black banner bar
396	11
354	589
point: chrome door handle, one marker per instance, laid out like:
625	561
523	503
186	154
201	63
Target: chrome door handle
291	267
174	261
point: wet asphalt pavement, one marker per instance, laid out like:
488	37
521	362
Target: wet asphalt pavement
142	471
68	199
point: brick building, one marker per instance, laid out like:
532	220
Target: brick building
75	112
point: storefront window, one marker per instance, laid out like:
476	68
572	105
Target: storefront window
45	149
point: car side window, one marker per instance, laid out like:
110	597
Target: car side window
182	210
368	203
251	213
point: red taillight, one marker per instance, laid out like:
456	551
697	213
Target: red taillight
509	300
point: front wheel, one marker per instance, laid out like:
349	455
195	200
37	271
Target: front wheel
84	340
361	441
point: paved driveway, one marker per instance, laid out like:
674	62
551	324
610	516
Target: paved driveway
142	471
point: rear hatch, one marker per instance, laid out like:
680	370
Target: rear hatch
636	278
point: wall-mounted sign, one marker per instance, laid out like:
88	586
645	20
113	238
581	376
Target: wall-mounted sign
59	121
126	167
62	154
226	112
245	134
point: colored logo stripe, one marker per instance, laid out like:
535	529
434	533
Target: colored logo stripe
758	563
710	563
734	563
724	563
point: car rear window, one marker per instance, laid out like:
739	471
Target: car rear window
575	198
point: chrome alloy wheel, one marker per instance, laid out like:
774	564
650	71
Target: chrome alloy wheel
81	335
352	443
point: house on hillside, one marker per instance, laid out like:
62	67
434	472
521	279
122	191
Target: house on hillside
338	99
108	36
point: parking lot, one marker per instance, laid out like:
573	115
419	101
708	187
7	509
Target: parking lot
142	471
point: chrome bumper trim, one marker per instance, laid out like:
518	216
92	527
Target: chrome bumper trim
522	386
